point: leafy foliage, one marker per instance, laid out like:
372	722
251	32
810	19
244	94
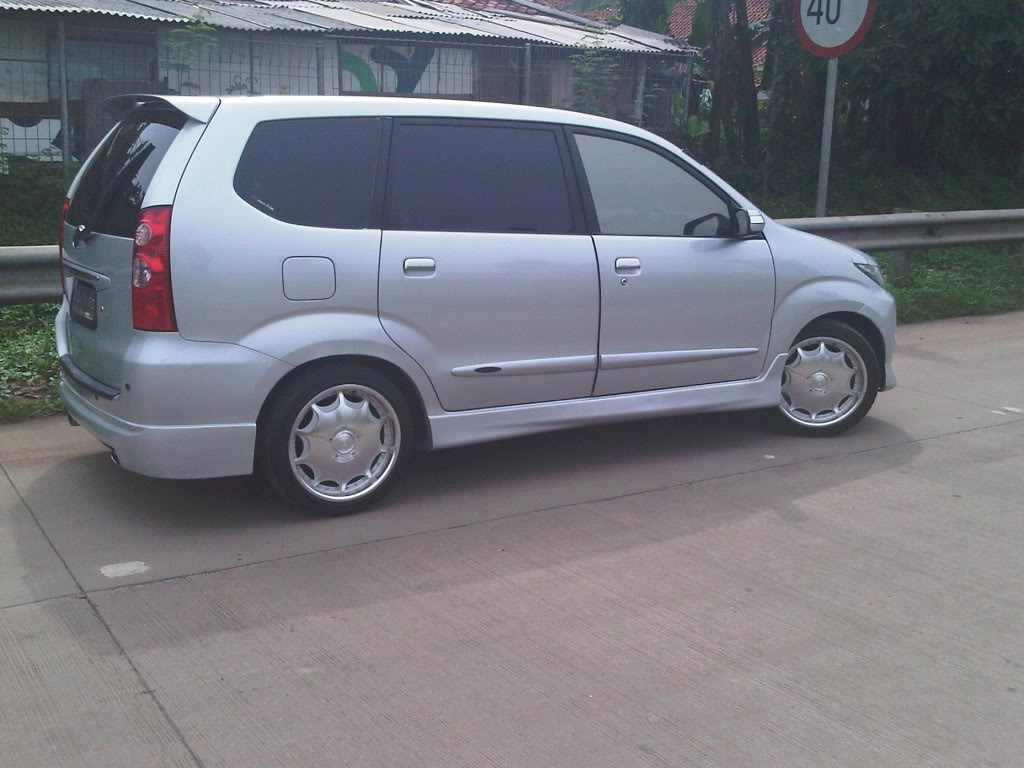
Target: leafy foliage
594	79
934	85
30	197
185	45
28	362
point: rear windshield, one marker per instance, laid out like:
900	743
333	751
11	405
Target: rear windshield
110	194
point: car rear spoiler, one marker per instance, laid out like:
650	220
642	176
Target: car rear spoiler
199	108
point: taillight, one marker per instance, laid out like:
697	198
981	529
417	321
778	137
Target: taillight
152	305
60	243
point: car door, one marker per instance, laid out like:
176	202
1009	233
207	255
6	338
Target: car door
682	301
488	278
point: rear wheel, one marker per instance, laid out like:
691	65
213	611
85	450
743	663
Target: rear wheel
335	439
830	380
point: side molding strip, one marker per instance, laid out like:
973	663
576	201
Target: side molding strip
641	359
573	364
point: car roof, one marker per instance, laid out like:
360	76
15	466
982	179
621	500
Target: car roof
398	106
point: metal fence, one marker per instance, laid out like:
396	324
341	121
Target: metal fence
29	274
54	75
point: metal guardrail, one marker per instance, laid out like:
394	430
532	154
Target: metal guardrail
914	231
28	274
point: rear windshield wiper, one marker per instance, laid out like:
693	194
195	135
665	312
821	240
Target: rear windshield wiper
131	166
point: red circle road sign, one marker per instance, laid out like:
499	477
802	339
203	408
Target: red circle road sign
830	28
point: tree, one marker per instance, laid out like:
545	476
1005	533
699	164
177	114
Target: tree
746	90
933	85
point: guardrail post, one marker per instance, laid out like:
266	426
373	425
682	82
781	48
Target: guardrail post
900	267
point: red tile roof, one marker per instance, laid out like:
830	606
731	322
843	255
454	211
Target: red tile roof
680	22
603	16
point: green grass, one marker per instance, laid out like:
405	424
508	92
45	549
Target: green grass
28	362
953	282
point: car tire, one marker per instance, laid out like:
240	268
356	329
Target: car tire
335	439
830	381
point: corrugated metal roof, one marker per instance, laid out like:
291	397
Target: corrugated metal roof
125	8
420	17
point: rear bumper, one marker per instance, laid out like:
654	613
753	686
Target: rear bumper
179	409
180	451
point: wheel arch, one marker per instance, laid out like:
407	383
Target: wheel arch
863	325
393	372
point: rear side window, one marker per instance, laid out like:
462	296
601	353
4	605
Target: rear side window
318	172
110	193
477	178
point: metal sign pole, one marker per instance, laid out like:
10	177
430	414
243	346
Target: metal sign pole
826	135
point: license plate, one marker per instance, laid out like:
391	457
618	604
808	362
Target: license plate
83	304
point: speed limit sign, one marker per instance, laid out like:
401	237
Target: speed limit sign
830	28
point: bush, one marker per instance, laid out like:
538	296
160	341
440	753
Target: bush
29	371
30	199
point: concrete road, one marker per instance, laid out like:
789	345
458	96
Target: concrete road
687	592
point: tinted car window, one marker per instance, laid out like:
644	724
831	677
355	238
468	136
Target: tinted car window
637	191
317	171
477	179
110	193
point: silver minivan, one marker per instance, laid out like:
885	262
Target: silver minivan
312	288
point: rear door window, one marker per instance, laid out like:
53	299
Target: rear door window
477	178
318	172
111	191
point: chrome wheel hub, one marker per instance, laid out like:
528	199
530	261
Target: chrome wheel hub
345	445
344	442
824	381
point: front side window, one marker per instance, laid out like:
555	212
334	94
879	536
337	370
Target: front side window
318	172
477	178
637	191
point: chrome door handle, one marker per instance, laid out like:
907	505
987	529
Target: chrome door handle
627	266
418	266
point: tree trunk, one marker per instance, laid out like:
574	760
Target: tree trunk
719	29
746	90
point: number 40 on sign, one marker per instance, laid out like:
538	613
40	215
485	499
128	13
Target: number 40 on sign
830	28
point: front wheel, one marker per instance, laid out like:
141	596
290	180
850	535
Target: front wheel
335	439
830	380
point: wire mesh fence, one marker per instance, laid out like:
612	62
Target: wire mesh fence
44	68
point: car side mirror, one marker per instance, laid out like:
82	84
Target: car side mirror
749	222
711	225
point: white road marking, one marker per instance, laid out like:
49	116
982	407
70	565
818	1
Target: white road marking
124	569
1001	413
1011	409
769	456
